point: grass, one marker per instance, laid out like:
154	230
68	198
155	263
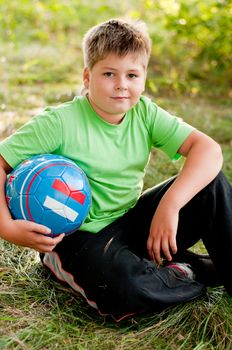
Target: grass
40	314
37	313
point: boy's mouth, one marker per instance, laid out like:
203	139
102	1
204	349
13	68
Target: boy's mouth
120	97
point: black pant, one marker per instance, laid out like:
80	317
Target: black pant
111	268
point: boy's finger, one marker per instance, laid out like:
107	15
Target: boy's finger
59	238
173	246
156	253
53	241
47	243
41	229
166	250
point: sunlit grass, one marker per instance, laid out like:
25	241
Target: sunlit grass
40	314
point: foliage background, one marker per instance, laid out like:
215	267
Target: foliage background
190	74
192	48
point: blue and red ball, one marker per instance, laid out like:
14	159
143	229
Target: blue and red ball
50	190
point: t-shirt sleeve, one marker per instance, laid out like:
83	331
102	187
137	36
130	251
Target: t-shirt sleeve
167	132
42	134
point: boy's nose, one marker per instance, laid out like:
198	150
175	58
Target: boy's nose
121	85
121	88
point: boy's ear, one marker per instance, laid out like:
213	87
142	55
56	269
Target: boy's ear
86	77
144	86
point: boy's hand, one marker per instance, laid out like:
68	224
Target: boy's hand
29	234
162	237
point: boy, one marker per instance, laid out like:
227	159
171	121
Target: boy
114	259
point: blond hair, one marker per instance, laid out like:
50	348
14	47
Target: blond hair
118	37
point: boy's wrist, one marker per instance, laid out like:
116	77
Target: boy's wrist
170	203
5	227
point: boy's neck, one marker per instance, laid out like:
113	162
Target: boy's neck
111	119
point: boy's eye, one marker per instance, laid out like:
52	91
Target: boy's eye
109	74
132	76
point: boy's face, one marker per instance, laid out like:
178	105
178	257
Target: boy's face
115	84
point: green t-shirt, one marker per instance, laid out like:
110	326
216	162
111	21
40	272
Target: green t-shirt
113	157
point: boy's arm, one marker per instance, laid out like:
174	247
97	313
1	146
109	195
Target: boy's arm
204	161
22	232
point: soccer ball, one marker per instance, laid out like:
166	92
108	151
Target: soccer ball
50	190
